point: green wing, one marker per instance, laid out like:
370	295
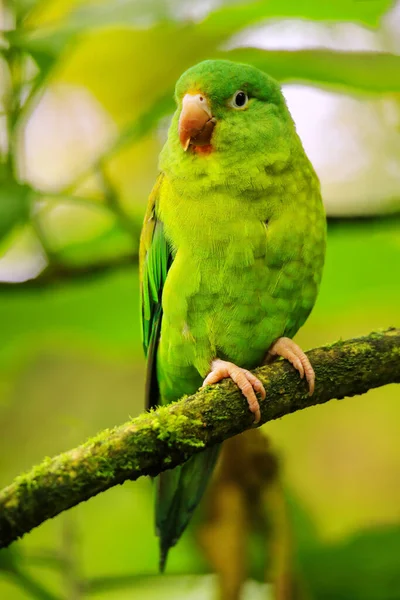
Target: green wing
155	261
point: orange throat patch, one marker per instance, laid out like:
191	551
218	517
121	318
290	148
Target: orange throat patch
202	149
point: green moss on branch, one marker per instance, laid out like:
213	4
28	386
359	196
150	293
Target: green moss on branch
156	441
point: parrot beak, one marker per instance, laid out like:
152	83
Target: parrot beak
196	122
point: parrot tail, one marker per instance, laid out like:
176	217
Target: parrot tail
178	492
163	558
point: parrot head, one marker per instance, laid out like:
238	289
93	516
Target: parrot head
227	107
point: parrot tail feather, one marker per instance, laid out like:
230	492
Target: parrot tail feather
163	557
178	493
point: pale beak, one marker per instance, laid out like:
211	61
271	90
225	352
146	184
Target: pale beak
196	122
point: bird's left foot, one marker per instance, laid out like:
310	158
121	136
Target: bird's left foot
246	381
288	349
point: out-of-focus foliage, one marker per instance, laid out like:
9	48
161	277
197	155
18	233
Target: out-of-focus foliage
14	206
86	95
365	566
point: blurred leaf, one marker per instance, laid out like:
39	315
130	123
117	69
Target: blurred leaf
10	564
365	567
361	71
14	206
23	7
31	587
305	531
104	312
362	263
154	587
142	125
110	244
243	14
9	558
44	49
104	13
44	558
166	38
79	232
131	133
103	584
233	14
46	44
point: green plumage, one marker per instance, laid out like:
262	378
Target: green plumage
232	252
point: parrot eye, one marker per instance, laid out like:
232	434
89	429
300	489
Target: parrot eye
239	99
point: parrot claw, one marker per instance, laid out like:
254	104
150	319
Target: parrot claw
287	348
246	381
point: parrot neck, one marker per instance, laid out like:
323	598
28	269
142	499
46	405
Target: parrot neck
204	215
207	174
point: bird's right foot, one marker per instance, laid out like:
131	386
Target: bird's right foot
246	381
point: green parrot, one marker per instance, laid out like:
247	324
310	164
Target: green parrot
232	252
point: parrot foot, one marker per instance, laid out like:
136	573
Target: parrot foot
288	349
246	381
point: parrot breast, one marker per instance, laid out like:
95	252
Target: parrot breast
245	272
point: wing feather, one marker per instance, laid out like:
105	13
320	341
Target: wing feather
155	261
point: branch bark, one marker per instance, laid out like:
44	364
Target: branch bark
162	439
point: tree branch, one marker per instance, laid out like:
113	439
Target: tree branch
156	441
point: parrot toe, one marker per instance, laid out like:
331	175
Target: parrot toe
246	381
287	348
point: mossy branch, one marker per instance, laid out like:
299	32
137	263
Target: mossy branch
168	436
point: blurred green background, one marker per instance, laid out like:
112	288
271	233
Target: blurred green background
86	98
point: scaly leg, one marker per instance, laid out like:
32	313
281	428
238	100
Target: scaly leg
246	381
288	349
